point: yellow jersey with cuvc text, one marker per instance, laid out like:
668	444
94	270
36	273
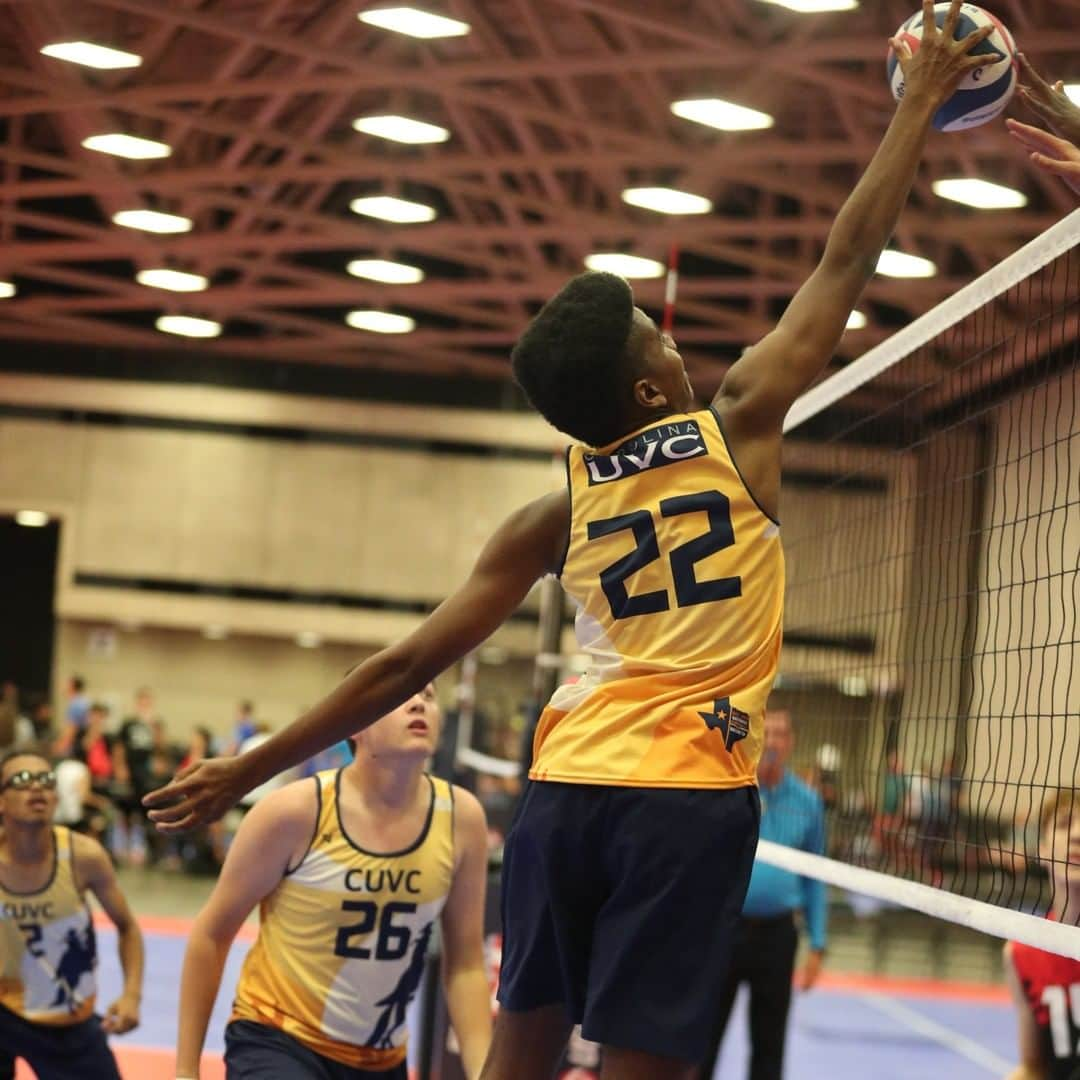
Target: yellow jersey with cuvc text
48	950
678	579
342	939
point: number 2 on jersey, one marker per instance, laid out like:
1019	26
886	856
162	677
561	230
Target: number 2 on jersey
683	559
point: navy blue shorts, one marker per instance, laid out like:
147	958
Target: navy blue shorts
260	1052
620	903
57	1052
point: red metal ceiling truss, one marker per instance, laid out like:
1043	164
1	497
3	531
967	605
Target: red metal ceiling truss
554	107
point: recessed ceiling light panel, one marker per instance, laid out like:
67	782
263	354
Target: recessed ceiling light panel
389	208
414	22
899	264
132	147
173	280
380	322
188	326
152	221
403	129
720	114
981	194
627	266
92	55
667	200
390	273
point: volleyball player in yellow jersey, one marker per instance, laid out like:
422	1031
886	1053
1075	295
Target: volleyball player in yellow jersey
48	952
350	870
629	857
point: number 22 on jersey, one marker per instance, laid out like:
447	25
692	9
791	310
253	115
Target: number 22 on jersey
683	558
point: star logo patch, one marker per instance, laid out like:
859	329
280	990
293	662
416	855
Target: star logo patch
733	723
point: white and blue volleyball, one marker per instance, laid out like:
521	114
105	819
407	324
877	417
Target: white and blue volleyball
982	93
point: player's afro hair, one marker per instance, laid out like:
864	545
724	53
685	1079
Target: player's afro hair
573	360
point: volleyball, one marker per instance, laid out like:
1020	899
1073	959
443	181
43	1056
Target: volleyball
982	93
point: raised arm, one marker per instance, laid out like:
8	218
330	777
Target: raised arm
528	545
763	384
271	838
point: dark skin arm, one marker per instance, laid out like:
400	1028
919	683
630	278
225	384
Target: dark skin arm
528	545
764	383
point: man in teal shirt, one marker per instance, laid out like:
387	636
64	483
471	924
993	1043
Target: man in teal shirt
793	814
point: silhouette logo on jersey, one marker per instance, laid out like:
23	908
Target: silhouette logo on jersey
665	444
396	1003
733	723
79	958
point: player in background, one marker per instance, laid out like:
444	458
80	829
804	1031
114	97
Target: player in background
1045	986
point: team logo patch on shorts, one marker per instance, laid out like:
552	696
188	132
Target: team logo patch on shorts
734	724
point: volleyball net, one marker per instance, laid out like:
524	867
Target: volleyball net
931	522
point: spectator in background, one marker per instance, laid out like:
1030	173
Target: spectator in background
93	748
137	737
75	715
888	826
1058	154
78	807
244	728
9	714
257	738
199	747
137	733
767	937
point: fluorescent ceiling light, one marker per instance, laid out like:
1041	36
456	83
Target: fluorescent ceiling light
152	221
173	280
414	22
898	264
667	200
981	194
90	55
7	290
308	639
1072	92
725	115
188	326
628	266
127	146
855	321
380	322
804	7
215	633
401	129
32	519
388	208
392	273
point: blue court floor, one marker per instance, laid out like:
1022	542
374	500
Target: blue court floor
836	1034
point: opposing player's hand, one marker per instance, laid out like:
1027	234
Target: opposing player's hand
197	795
121	1016
811	970
1051	103
1058	156
935	70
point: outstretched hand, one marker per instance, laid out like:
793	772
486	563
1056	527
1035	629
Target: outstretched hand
1054	155
1051	103
197	795
935	70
